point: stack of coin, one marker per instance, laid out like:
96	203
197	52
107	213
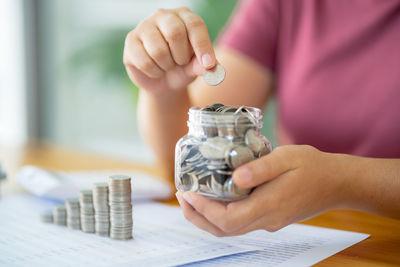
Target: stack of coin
120	207
46	216
60	214
87	211
101	209
73	213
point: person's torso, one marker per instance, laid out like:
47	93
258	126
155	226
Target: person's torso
338	69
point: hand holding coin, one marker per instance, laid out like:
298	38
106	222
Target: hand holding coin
168	50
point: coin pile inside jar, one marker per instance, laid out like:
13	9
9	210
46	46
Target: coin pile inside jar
227	138
60	214
120	207
73	213
87	211
101	209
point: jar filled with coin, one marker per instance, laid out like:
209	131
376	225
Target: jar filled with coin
220	139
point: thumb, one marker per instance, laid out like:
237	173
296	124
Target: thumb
194	68
265	168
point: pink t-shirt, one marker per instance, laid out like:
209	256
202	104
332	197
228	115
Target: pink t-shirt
337	65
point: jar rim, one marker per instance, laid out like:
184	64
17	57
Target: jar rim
198	110
199	118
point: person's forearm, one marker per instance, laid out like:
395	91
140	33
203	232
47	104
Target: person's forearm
373	185
162	121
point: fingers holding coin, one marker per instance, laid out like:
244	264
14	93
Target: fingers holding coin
161	51
157	48
174	32
135	55
198	37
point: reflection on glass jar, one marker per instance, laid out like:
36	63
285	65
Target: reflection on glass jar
220	139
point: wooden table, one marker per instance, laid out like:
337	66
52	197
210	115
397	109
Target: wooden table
381	248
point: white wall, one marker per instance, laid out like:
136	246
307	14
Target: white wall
13	115
86	111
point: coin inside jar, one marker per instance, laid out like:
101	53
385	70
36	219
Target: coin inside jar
205	162
213	148
232	190
254	141
238	155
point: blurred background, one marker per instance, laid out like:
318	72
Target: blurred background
62	80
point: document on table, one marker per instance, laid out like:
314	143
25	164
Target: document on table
59	185
162	237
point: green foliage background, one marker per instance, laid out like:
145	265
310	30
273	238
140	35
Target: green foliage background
103	53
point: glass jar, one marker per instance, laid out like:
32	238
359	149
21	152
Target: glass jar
220	139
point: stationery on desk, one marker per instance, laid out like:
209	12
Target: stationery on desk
162	237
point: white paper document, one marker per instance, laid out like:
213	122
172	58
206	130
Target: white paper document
162	237
60	185
295	245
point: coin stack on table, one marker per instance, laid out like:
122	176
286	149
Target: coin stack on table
60	214
46	216
87	211
120	207
73	213
101	209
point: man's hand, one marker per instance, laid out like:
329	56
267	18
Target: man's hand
292	183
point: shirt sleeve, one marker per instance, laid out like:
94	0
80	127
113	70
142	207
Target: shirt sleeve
253	31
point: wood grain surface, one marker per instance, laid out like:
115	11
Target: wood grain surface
382	248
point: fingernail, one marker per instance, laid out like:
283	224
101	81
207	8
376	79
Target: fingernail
206	60
188	197
243	175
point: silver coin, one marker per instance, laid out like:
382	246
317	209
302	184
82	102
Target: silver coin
226	130
215	185
215	167
231	190
197	156
60	214
239	155
101	208
264	151
87	211
46	216
190	183
86	193
226	109
242	124
119	178
205	188
254	141
216	106
214	148
73	213
224	172
214	76
120	213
